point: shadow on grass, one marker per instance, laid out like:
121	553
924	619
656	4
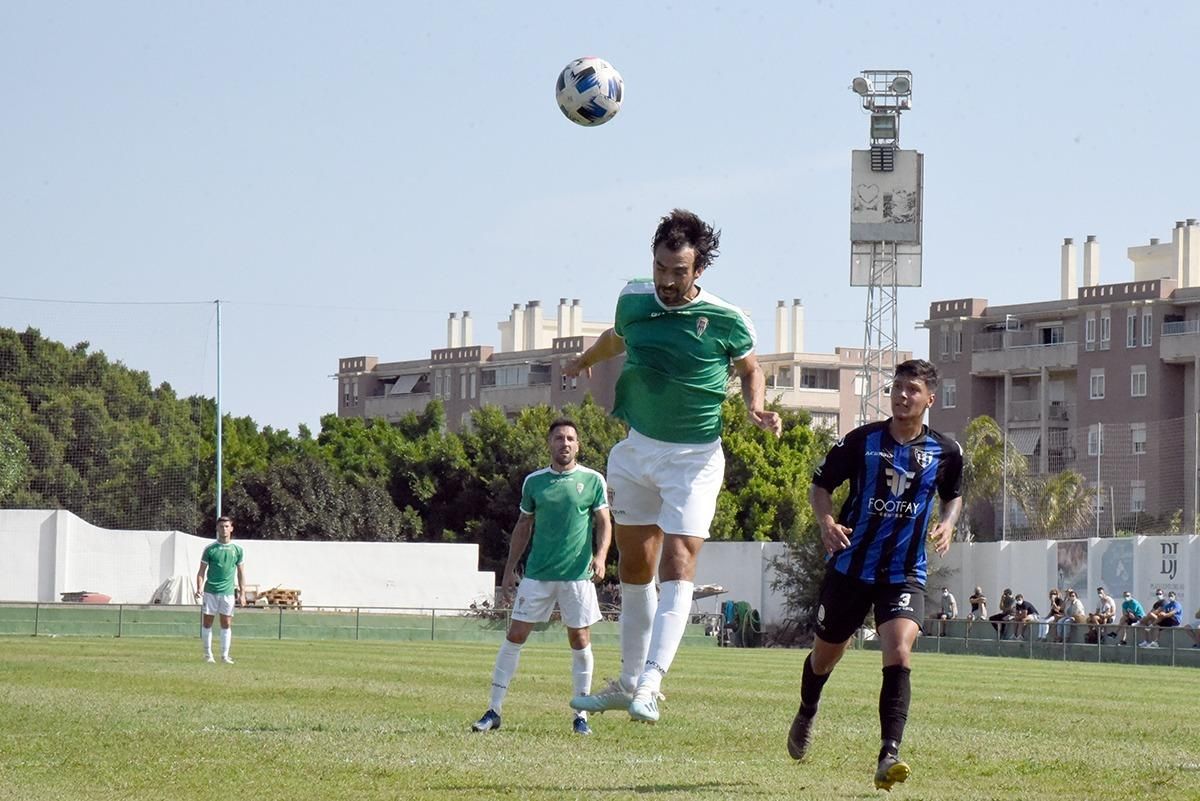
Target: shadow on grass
638	789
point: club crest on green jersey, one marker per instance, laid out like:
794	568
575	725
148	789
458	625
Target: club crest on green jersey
701	326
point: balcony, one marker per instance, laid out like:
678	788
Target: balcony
1058	415
1180	342
997	352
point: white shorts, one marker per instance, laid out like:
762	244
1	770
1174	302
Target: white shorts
218	604
668	484
576	602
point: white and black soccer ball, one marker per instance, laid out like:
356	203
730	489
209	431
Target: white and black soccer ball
589	91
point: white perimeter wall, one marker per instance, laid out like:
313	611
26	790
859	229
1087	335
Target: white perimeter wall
50	552
46	553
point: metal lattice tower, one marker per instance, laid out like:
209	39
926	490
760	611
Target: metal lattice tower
880	334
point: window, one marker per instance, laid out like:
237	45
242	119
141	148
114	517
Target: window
462	383
1147	329
1089	332
1137	381
474	380
816	378
354	390
1096	384
1051	335
437	384
957	341
1095	440
1105	331
860	385
827	420
1131	329
345	393
949	393
1137	496
1137	433
945	342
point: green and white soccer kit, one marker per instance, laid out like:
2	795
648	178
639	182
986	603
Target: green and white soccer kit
669	470
559	566
220	581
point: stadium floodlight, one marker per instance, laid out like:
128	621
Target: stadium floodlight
860	86
901	85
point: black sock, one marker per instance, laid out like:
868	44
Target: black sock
894	697
810	687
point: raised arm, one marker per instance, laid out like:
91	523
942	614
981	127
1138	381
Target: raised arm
605	347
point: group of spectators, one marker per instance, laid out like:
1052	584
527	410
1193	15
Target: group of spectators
1016	614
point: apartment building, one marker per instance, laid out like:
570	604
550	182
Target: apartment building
527	370
1102	380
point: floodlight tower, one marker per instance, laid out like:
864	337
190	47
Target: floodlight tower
886	187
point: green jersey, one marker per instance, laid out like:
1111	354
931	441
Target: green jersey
677	362
222	561
562	505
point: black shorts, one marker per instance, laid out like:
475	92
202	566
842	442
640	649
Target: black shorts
845	601
1167	623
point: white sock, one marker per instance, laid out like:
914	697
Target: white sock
581	671
206	640
637	616
502	673
674	608
226	639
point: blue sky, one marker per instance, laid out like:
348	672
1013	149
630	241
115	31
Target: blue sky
343	175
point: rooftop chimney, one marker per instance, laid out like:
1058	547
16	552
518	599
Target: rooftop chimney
576	318
797	326
533	325
1191	254
781	334
453	332
468	329
1070	260
563	328
1091	261
516	322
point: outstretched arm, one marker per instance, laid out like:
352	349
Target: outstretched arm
607	346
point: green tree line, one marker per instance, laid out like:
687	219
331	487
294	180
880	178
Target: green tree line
93	436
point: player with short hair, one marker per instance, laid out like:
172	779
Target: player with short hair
219	564
680	342
563	507
876	551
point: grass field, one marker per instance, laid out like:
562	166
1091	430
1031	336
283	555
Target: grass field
145	719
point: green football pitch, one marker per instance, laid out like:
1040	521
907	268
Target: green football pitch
91	718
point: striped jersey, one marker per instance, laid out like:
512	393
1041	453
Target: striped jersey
677	362
892	490
562	505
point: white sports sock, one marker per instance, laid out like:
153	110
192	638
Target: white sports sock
206	640
637	616
581	671
674	607
502	673
226	639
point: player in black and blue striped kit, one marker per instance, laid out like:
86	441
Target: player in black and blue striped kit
876	551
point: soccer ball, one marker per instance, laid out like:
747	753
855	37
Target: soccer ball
589	91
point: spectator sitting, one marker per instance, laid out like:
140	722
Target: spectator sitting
1106	612
1022	611
949	610
1056	612
1195	631
1005	613
1131	613
1163	615
978	605
1073	612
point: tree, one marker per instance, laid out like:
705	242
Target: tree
1057	505
986	460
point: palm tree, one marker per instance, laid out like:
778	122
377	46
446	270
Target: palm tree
1056	505
985	463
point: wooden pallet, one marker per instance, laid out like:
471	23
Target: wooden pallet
279	596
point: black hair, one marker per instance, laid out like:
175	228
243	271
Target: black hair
682	228
559	423
920	370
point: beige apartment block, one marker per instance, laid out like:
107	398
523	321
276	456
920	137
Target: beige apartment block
1103	380
527	370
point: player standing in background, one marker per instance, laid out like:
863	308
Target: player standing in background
876	551
563	507
679	343
221	561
